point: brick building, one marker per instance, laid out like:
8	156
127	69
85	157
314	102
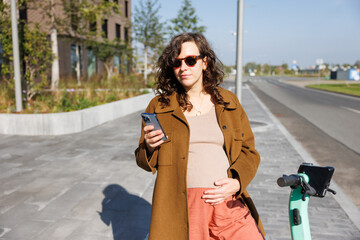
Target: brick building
74	54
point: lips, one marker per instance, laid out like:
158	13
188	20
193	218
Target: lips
184	76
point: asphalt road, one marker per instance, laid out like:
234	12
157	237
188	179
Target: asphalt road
335	114
326	124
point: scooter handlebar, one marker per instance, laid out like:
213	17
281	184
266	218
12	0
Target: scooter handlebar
292	180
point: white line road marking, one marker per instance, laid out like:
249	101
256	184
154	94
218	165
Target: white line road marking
351	109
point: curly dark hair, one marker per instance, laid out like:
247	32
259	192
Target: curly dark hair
166	79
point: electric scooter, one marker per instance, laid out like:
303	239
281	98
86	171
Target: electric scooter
310	181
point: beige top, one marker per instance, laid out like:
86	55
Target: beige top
207	159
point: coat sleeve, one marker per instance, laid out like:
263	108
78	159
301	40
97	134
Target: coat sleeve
148	163
245	166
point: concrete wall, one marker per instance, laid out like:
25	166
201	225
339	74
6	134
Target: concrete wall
70	122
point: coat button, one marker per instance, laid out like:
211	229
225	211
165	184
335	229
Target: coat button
224	127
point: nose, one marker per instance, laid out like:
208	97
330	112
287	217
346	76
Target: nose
183	66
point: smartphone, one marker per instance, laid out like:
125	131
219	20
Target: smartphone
319	177
151	119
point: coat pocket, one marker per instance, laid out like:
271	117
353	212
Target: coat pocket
238	134
165	152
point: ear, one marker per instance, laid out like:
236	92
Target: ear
204	63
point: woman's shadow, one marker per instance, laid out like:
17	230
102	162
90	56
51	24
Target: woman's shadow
129	215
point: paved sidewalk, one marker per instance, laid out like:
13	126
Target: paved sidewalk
87	186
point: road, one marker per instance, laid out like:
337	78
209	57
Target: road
335	114
326	124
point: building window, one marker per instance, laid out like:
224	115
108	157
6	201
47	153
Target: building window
91	69
117	63
118	31
76	60
105	28
92	26
92	23
126	64
74	17
126	34
23	12
126	8
115	9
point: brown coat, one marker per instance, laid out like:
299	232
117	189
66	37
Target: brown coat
169	219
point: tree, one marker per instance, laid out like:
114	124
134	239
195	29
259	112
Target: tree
148	28
266	69
47	8
74	20
79	16
6	43
357	64
36	50
252	67
38	58
229	69
186	20
105	52
55	67
285	66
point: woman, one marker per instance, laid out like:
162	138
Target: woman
208	159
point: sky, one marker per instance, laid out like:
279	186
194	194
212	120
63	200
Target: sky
278	31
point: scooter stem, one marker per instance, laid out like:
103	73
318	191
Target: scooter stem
298	212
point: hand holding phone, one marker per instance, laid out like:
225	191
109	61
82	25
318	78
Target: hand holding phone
153	132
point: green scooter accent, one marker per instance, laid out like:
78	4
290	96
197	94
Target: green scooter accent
298	212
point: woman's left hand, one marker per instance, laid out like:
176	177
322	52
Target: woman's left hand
227	187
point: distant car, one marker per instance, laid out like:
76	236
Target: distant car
252	74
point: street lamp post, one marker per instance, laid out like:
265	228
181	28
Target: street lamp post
240	27
16	56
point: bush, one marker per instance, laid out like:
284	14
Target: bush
70	97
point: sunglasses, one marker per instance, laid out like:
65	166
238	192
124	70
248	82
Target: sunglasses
190	61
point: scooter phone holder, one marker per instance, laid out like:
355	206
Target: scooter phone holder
319	178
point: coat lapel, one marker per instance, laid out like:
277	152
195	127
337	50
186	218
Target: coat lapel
174	107
228	98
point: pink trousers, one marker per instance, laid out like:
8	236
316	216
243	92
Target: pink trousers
226	221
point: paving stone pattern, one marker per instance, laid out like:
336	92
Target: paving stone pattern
327	218
87	185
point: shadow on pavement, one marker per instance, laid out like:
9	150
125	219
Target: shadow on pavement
129	215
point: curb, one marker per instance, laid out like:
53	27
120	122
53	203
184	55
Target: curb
328	91
316	89
48	124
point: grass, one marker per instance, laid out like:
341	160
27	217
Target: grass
351	88
70	97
